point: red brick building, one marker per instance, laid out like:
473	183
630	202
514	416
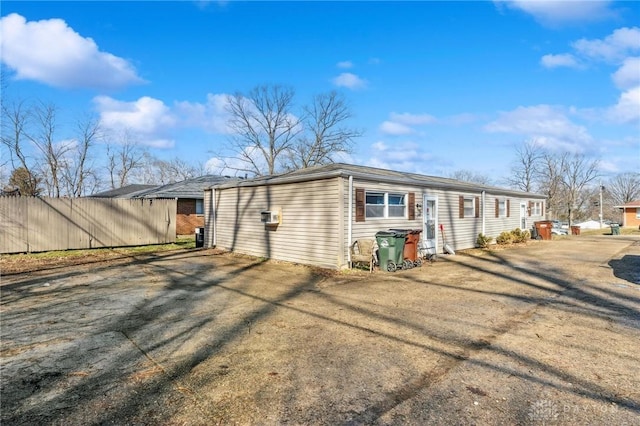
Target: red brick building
630	213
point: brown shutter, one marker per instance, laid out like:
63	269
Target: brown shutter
477	206
360	204
497	208
461	207
412	206
508	208
530	207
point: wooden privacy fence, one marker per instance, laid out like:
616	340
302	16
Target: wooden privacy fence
30	224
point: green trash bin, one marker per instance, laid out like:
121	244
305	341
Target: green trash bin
615	229
390	249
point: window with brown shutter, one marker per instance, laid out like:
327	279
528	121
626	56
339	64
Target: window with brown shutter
477	206
360	204
412	206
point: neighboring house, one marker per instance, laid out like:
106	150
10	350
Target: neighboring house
189	194
630	213
318	212
127	191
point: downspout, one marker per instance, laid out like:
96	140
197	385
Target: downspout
213	216
484	194
349	225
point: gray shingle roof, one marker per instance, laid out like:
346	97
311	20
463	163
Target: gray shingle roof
126	191
375	175
189	188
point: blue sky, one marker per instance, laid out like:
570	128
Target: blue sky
435	86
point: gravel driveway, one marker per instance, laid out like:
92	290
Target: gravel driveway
546	333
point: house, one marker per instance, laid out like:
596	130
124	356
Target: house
189	194
127	191
311	216
630	213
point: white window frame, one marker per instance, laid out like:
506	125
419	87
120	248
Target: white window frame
502	207
536	208
386	205
201	211
472	200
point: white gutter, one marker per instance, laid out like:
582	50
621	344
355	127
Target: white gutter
483	212
349	225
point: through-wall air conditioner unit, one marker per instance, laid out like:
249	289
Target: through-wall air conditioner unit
271	217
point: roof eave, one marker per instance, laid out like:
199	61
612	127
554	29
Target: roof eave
461	186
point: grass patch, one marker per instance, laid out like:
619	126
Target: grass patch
35	261
607	231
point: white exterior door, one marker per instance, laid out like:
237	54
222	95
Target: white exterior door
430	223
523	216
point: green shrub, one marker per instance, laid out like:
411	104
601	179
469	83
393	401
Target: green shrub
504	238
483	241
519	236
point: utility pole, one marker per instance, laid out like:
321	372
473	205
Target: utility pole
601	189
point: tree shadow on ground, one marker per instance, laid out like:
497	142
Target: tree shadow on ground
179	294
627	268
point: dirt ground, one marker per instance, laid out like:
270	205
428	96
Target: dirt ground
545	333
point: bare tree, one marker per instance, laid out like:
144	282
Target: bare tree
577	172
525	170
43	137
264	128
174	170
470	176
550	182
327	134
15	121
77	169
124	157
624	187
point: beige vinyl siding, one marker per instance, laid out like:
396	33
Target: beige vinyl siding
495	225
461	233
370	227
309	232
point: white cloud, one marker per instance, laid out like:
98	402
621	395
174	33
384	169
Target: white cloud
375	61
554	12
412	119
613	48
395	129
146	119
49	51
548	125
628	75
405	156
345	64
563	60
627	109
401	124
211	116
350	81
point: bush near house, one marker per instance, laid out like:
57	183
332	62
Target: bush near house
483	241
504	238
520	236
